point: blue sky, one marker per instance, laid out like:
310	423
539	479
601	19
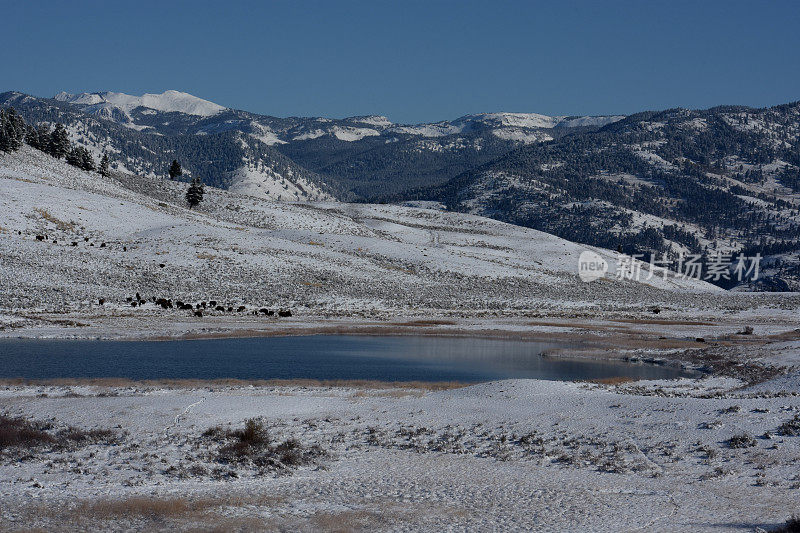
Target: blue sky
412	61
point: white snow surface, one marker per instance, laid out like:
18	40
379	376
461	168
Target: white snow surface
168	101
508	455
324	254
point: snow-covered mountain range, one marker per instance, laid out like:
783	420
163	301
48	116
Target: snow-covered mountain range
119	107
722	180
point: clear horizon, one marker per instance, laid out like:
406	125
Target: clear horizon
413	62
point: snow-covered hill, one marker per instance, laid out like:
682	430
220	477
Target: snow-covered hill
168	101
71	237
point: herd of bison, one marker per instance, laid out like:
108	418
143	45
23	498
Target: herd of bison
200	307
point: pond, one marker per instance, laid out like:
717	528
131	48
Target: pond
323	357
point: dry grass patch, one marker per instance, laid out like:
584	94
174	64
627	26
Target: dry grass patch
149	513
21	436
614	380
60	224
138	506
662	322
426	322
235	383
388	393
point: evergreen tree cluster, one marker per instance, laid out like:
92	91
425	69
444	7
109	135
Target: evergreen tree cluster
80	157
12	130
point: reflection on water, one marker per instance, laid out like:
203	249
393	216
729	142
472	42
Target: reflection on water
314	357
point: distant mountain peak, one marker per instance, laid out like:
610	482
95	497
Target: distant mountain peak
168	101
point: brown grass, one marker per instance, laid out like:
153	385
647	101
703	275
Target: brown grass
235	383
20	433
60	224
348	521
615	380
392	393
662	322
148	513
429	322
138	506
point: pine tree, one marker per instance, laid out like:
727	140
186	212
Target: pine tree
38	137
175	170
32	137
12	130
75	157
87	161
43	137
59	142
194	195
104	166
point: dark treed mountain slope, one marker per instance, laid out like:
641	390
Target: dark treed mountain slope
377	168
722	179
224	158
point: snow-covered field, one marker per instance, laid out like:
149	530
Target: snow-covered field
713	454
520	454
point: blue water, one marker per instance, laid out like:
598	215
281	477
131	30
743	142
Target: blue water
399	358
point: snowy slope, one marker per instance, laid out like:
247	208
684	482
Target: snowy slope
168	101
261	181
323	256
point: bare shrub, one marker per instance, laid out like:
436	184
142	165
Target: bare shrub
792	525
21	433
253	446
741	440
790	428
17	433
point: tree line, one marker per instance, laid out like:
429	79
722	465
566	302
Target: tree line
56	143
